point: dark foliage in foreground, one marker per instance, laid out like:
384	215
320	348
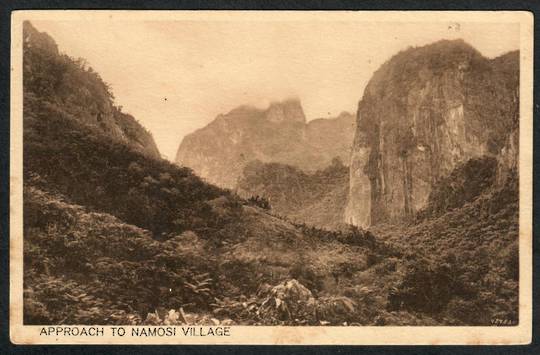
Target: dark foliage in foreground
84	267
115	236
465	264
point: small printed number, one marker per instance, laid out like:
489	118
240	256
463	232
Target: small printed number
499	321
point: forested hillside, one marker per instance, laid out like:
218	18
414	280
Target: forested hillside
475	243
115	235
57	82
317	198
95	201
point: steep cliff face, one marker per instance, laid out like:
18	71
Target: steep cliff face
56	82
220	151
425	111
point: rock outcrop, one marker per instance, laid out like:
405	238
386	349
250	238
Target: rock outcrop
425	111
220	151
286	111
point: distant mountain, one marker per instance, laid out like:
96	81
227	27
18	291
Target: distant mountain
56	82
115	235
331	138
220	151
424	112
93	204
317	198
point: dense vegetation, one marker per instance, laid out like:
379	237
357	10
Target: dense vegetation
114	235
466	182
466	261
316	198
84	267
73	87
98	172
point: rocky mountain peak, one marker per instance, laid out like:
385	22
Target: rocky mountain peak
220	151
289	110
424	112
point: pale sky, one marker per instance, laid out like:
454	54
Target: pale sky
207	68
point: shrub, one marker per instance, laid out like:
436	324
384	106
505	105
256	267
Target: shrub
425	287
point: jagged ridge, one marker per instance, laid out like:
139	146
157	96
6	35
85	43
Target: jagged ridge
220	151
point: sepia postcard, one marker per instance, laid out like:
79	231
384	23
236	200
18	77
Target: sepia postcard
271	177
